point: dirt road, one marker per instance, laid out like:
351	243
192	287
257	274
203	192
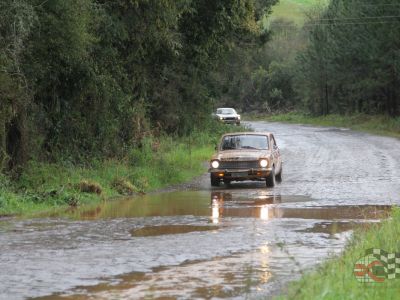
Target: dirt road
228	242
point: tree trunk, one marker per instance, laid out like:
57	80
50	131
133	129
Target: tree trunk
23	146
3	152
394	93
16	142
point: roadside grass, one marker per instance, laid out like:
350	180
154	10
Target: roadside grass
375	124
334	279
158	163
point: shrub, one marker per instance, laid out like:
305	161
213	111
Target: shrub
87	186
124	186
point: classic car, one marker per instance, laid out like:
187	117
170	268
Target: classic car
227	115
246	156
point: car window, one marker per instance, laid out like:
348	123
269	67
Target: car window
226	111
234	142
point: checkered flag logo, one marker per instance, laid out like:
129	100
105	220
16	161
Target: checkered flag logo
390	262
377	266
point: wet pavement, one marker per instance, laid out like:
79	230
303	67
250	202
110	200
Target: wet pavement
236	242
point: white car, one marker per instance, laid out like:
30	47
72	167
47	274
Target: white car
227	115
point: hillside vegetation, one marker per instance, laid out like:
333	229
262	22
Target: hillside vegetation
84	82
88	83
92	78
344	59
294	10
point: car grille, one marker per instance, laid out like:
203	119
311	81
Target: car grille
229	118
239	164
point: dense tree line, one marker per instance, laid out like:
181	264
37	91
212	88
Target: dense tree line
344	60
260	78
83	78
88	77
352	62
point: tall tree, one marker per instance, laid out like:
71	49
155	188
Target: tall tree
353	58
16	21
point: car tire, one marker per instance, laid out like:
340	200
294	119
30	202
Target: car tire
270	180
214	180
279	175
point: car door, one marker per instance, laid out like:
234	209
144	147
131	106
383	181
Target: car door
275	154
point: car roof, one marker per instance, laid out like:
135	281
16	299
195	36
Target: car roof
248	133
225	108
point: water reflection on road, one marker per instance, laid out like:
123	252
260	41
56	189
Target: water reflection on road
197	244
227	242
223	204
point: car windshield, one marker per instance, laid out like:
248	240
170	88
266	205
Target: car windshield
234	142
226	111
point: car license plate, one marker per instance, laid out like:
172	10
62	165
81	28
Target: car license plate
239	174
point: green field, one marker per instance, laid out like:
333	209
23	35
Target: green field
294	10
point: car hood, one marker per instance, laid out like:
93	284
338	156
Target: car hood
241	155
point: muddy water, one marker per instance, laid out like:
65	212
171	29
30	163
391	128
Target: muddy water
197	244
169	229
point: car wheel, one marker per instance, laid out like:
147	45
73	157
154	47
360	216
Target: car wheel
214	180
279	176
270	181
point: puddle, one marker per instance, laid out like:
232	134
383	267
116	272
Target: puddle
169	229
176	204
321	213
246	204
252	275
266	207
197	244
333	228
166	204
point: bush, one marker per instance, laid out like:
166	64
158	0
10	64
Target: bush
87	186
124	186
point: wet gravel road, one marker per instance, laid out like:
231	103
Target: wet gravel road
233	242
338	166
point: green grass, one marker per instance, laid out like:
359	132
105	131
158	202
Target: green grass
335	280
376	124
294	10
158	163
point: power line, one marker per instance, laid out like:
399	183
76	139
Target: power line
351	23
383	4
332	21
358	18
334	24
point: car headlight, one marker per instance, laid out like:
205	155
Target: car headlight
215	164
238	117
263	163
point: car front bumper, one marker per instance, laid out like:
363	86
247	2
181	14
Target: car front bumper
241	174
230	121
